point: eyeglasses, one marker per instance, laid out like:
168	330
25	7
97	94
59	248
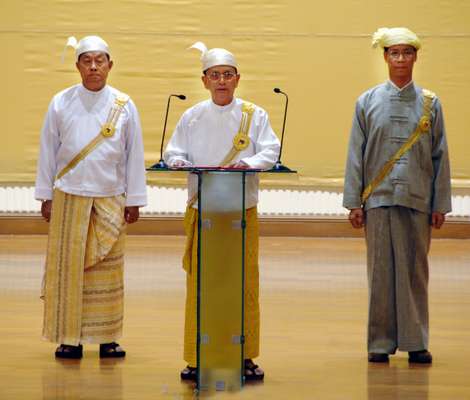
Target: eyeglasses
216	75
407	53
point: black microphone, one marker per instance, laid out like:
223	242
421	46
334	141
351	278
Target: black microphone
161	163
279	166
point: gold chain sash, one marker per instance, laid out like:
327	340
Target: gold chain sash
424	125
241	140
107	130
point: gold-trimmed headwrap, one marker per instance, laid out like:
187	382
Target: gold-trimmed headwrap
386	37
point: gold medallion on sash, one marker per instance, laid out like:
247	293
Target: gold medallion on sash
241	140
107	130
109	127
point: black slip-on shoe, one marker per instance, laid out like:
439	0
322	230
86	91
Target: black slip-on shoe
69	352
377	357
420	357
189	374
111	350
252	371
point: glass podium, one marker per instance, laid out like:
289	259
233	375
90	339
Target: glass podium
221	266
221	275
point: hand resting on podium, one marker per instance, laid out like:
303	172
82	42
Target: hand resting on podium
180	163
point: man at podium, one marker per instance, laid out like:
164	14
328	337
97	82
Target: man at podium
223	131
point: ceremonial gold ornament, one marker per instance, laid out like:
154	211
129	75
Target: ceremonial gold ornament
241	141
424	124
108	130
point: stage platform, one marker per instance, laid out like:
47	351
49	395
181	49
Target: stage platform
313	326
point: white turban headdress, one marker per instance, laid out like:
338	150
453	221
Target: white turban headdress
88	43
211	58
386	37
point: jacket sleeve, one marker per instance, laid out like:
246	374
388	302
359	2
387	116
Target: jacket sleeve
47	161
177	147
441	196
136	188
354	176
267	144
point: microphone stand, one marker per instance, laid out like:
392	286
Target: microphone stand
279	166
161	164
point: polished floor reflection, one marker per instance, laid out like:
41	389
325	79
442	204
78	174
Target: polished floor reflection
313	298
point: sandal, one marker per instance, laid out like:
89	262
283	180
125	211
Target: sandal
111	350
68	351
189	374
252	371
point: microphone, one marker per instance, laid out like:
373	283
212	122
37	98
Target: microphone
279	166
161	163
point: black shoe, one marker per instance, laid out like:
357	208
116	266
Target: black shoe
252	371
378	357
420	357
189	374
68	351
111	350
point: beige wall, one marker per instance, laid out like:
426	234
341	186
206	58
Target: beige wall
318	52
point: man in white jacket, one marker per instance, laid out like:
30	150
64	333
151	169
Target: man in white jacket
91	181
212	133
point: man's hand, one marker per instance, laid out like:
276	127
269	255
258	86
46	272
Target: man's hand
180	164
437	219
356	217
238	164
46	208
131	214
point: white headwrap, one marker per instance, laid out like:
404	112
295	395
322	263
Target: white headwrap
386	37
211	58
88	43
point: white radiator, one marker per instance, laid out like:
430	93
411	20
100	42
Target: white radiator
307	203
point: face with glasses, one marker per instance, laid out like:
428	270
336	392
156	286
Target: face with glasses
94	67
221	81
400	59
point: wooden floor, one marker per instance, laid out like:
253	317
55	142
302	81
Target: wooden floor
314	302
